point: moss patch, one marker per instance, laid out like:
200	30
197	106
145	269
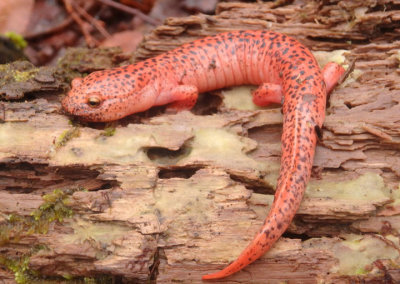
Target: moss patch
20	71
66	136
17	39
20	268
55	208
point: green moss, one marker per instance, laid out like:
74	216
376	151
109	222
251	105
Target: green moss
78	62
99	279
68	276
20	268
54	208
23	76
361	271
66	136
17	39
109	131
4	67
11	74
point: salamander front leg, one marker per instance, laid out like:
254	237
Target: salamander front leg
267	93
185	97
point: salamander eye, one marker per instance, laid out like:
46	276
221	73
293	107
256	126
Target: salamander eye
94	101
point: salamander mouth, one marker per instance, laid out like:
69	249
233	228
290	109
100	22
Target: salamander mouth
65	103
84	112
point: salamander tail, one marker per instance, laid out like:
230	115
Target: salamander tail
272	229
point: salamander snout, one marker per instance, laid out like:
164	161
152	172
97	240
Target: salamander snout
82	101
92	99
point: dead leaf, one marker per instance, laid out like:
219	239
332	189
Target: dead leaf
15	14
127	40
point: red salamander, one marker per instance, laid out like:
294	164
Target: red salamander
284	70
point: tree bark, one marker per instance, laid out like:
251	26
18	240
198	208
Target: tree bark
170	197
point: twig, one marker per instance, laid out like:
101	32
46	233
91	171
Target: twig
92	20
91	42
51	30
347	73
130	10
68	21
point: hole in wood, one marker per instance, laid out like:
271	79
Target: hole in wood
349	106
183	172
39	178
165	156
207	104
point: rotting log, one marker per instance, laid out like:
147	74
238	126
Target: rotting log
169	197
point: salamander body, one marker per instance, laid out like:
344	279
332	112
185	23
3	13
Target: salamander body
284	70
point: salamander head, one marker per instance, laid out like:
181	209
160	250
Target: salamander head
107	95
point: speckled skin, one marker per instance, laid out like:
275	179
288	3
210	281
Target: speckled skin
285	71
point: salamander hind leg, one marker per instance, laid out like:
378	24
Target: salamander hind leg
185	97
332	72
267	93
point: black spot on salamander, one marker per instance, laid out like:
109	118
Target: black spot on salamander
298	181
212	64
272	38
309	97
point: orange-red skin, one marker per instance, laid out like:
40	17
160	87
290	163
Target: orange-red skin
279	64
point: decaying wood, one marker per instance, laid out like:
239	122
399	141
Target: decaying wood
173	196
